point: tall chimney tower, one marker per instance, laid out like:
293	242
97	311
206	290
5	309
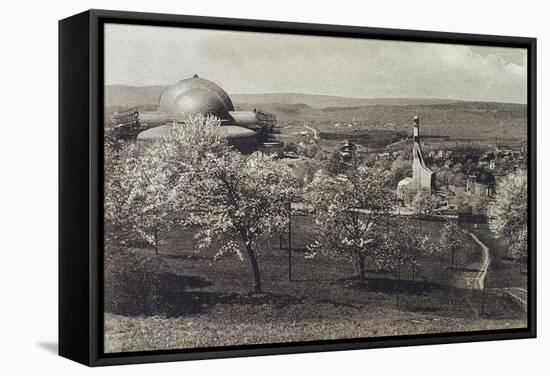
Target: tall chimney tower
422	177
416	129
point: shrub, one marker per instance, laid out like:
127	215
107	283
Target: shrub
290	147
132	283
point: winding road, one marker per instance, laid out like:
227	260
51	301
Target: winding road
478	281
315	136
518	294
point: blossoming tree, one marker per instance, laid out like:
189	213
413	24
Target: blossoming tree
346	209
135	194
223	193
452	239
508	214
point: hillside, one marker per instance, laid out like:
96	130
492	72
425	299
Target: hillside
119	95
443	117
323	101
462	119
131	96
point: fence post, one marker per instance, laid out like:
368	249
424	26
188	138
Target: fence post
156	242
484	292
290	241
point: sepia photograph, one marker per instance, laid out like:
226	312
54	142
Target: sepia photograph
276	188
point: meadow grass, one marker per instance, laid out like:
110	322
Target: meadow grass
208	303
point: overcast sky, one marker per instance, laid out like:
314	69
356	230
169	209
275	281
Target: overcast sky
244	62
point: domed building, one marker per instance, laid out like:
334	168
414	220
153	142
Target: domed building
196	95
481	182
247	131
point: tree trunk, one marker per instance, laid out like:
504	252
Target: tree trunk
254	264
398	274
361	270
156	242
452	258
290	241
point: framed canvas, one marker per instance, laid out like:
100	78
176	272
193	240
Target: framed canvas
236	187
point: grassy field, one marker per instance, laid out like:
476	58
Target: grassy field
207	303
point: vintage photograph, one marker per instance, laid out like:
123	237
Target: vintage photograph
264	188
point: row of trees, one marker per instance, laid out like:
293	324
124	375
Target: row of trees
193	179
351	214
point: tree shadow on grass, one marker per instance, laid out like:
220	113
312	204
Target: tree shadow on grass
294	279
191	257
171	281
180	295
201	302
464	269
189	303
390	286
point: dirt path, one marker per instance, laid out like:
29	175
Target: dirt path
311	129
477	280
518	294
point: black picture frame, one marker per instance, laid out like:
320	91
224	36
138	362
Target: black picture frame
81	185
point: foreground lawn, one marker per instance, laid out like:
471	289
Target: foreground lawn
265	319
206	302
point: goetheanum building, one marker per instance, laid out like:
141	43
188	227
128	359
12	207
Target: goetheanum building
247	131
422	177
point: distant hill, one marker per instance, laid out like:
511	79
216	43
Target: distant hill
130	96
443	117
323	101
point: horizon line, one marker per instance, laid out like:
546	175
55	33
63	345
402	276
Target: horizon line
337	96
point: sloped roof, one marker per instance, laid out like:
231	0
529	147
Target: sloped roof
404	182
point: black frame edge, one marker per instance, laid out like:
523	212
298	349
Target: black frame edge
74	275
286	27
532	185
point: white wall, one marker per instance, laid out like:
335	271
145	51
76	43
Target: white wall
28	164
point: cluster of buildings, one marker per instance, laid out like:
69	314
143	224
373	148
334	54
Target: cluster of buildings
481	180
248	131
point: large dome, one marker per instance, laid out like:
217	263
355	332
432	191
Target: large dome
196	95
199	100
